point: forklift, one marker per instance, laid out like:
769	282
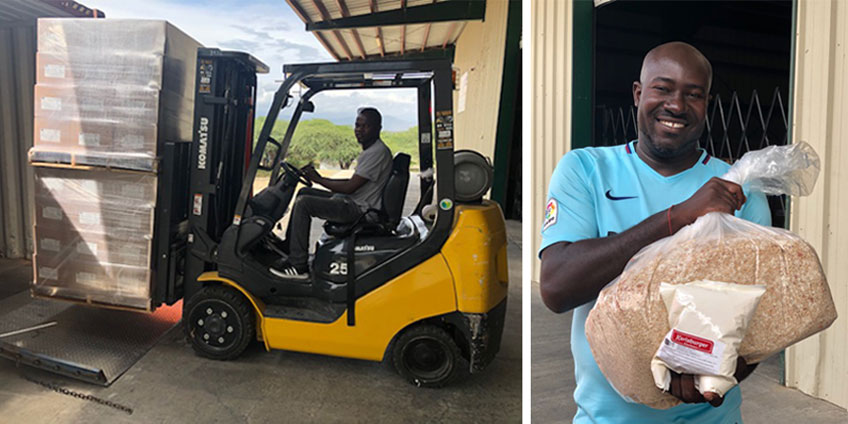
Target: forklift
428	298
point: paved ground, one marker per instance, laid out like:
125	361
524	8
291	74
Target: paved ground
552	380
171	385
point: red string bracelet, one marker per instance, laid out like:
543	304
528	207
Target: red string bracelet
668	214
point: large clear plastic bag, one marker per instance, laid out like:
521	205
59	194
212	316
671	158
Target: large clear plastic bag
630	320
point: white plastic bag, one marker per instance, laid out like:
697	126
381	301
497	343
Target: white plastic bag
630	320
708	320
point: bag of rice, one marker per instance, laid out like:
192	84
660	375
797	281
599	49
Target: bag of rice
630	320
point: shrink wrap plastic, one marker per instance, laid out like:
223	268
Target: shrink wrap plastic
630	320
110	91
93	235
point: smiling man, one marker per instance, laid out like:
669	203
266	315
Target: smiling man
607	203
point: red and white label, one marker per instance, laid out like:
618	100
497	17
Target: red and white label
197	209
692	341
691	354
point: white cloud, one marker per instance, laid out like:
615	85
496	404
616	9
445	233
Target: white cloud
398	106
270	31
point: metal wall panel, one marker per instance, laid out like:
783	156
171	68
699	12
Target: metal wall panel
819	365
17	58
550	126
480	54
17	78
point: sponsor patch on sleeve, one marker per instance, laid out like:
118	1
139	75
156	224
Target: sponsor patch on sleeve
550	214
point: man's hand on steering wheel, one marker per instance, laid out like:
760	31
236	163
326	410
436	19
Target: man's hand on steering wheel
300	174
310	173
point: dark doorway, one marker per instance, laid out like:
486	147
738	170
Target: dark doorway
512	205
749	44
506	187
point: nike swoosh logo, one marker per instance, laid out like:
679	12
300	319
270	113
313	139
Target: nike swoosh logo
611	197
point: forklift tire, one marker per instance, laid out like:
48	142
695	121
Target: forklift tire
220	323
427	356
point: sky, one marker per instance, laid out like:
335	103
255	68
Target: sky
271	32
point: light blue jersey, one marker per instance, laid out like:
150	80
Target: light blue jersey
595	192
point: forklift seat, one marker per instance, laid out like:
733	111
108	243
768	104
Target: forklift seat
383	221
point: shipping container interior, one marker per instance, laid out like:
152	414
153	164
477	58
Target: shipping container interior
18	20
17	58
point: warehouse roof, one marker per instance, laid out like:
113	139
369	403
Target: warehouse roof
364	29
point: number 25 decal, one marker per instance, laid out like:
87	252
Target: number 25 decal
338	268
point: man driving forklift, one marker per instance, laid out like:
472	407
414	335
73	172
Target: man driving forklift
347	200
431	305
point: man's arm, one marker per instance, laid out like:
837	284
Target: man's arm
336	185
574	273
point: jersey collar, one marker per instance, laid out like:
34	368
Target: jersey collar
630	149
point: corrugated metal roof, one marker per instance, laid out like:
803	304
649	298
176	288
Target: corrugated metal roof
385	38
25	10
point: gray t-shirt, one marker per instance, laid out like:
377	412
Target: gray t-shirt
375	165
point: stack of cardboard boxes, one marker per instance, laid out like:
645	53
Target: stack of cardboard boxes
109	93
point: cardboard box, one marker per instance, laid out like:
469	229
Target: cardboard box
126	189
74	215
113	105
94	137
111	92
94	235
121	204
116	42
92	282
110	69
140	119
54	244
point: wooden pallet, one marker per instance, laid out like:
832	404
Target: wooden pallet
87	161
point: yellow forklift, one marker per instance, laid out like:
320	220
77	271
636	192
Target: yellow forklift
426	293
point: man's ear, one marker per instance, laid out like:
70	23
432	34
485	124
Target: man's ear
637	92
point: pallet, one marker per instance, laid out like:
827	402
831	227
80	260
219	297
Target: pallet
89	300
88	161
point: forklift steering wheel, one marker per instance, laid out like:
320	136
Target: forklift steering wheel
300	175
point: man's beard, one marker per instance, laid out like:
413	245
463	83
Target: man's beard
663	152
666	151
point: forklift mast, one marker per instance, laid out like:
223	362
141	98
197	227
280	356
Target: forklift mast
224	111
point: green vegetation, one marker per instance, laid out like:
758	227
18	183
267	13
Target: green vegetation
319	140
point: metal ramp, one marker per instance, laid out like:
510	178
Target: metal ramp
91	344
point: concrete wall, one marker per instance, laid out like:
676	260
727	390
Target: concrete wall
17	61
550	125
480	54
819	365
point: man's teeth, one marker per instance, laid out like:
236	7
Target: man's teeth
672	124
